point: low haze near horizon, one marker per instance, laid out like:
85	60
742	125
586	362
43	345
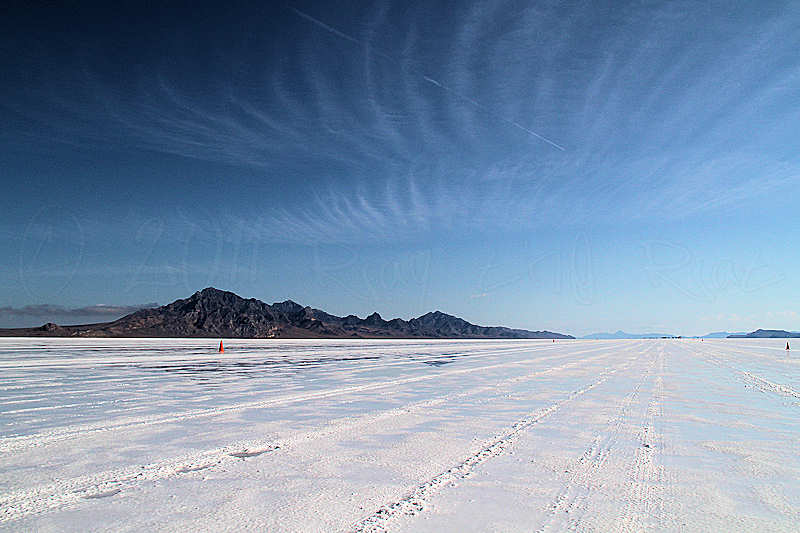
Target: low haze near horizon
576	167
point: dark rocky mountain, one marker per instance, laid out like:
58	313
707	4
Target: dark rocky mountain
767	334
215	313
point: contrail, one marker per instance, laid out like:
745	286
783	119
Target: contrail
336	32
430	80
325	26
491	113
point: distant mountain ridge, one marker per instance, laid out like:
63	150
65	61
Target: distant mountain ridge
721	334
217	313
623	335
767	334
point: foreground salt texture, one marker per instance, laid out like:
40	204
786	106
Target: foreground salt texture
155	434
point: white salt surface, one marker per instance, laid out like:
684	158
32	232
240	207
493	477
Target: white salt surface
166	435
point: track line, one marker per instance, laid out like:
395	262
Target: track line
139	380
756	381
413	502
234	356
644	499
64	493
20	443
572	501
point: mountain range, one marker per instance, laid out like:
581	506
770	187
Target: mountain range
766	334
761	333
217	313
722	334
623	335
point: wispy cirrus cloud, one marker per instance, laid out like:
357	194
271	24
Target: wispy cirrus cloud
388	124
34	315
48	310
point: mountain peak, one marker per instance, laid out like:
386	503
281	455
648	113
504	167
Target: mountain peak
210	292
766	334
374	319
435	314
212	312
288	306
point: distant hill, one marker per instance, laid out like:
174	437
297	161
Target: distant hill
767	334
216	313
623	335
722	334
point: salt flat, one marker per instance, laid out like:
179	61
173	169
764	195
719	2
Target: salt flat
406	435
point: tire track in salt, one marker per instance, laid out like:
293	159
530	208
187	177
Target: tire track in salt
65	493
108	383
229	357
752	350
352	372
759	382
16	444
141	394
759	485
138	381
644	499
413	502
768	386
572	501
234	356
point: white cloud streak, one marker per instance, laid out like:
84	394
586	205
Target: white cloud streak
400	126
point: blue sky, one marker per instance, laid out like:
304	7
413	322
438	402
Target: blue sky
575	166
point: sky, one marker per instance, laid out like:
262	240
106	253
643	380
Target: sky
570	166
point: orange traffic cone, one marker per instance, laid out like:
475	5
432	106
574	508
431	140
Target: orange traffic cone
221	348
